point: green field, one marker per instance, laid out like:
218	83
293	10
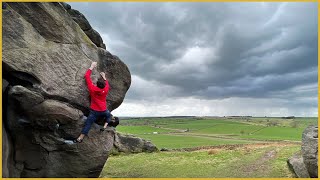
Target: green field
259	162
183	141
192	132
140	130
282	137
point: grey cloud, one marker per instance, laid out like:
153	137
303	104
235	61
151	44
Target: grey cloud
254	49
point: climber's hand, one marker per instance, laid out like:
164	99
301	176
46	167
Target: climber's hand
93	65
103	75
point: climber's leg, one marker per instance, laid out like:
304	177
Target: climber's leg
85	130
90	120
108	118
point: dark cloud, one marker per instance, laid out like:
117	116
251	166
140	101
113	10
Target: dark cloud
213	50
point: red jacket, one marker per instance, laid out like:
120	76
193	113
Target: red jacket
98	96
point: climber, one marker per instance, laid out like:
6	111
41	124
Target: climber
98	107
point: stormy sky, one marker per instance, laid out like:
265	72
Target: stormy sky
213	59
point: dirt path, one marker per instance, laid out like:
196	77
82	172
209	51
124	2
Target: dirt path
247	147
172	129
260	165
228	137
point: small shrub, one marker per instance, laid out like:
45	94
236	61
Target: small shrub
242	132
213	151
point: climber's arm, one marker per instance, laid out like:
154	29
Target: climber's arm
103	75
87	76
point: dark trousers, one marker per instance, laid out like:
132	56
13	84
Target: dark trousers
93	115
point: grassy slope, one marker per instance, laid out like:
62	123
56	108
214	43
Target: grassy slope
237	129
259	162
137	130
225	163
180	141
277	133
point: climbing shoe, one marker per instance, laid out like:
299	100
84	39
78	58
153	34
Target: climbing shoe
77	141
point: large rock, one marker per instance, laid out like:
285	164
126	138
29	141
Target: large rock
45	101
84	24
306	164
7	159
45	49
95	38
4	85
297	166
131	144
309	150
78	17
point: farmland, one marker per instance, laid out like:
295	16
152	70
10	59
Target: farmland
180	132
263	142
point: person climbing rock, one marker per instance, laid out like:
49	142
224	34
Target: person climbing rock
98	106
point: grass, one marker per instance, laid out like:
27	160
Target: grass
278	165
181	141
201	164
277	133
138	130
196	125
265	161
230	131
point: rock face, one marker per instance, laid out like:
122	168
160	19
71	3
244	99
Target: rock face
45	98
297	166
131	144
84	24
309	150
306	165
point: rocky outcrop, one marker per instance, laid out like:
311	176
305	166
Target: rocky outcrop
306	164
297	166
84	24
309	150
45	99
131	144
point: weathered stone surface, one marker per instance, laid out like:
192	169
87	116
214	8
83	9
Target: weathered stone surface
5	84
84	24
131	144
95	38
44	18
57	71
80	19
297	166
306	164
309	150
66	5
6	153
52	112
27	99
45	56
